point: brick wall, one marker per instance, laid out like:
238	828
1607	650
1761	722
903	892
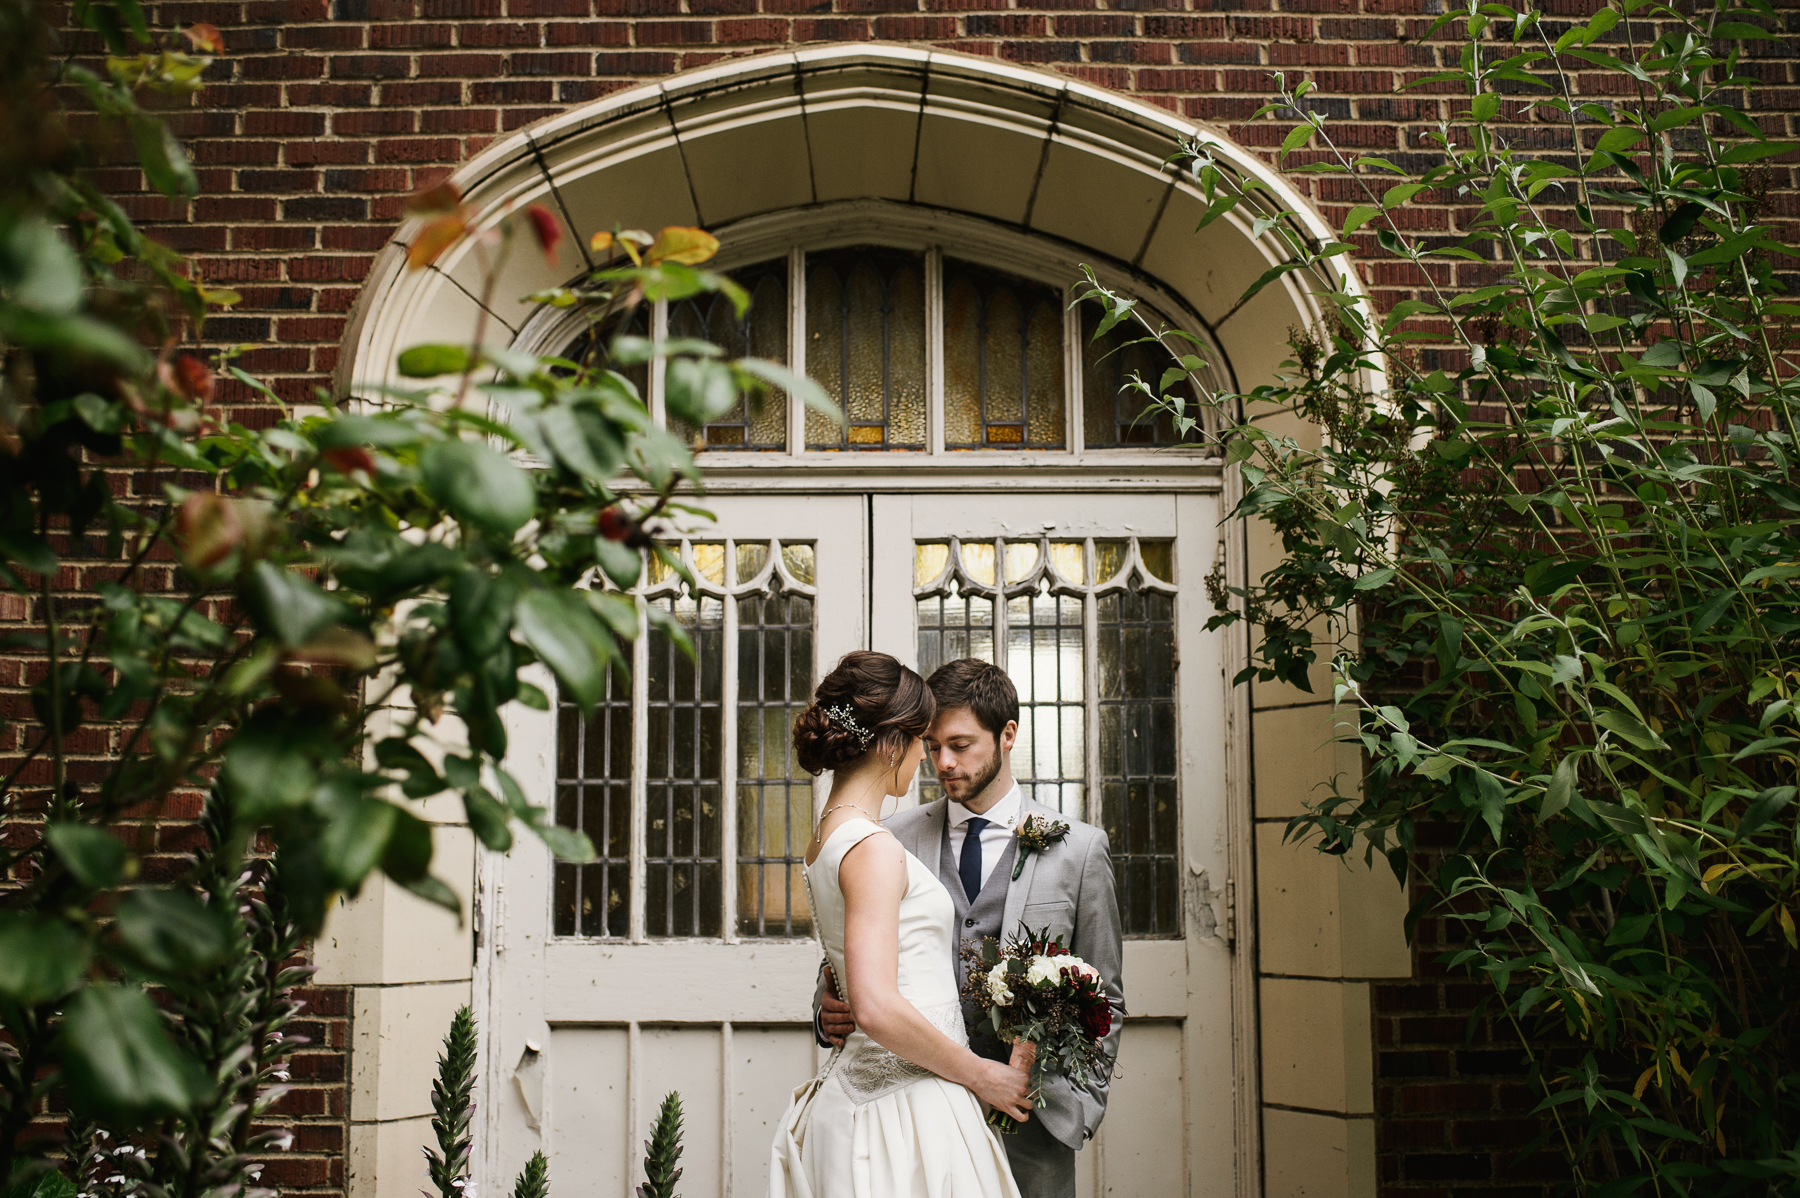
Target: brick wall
324	114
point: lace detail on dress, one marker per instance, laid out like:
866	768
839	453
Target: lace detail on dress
868	1071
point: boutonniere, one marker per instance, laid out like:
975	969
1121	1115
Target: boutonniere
1035	835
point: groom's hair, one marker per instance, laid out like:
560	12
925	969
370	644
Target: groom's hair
981	686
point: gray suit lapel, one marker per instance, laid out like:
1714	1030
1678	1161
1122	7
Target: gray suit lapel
1019	893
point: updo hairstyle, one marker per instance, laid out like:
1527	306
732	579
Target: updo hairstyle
890	701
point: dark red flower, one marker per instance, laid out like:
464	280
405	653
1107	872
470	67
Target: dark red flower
615	525
546	228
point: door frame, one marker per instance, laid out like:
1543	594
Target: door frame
1167	979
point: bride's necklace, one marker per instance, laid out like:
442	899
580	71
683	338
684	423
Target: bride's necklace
851	806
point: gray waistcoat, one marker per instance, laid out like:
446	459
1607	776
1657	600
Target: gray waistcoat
975	924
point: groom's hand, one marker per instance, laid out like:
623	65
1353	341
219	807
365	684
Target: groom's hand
835	1019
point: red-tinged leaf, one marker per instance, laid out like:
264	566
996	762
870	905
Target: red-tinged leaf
189	376
677	243
434	239
437	200
350	460
546	228
207	529
206	38
600	241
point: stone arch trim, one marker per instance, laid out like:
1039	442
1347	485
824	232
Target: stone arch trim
976	139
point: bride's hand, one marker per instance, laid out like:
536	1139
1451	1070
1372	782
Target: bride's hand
1004	1088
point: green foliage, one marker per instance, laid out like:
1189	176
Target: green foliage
412	557
534	1179
662	1151
1558	584
453	1106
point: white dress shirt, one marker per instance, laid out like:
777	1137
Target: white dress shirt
1003	819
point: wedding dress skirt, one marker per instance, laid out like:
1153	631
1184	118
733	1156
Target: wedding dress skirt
873	1124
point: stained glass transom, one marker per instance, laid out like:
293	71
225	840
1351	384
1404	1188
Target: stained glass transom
865	344
1003	361
1113	411
761	332
1088	631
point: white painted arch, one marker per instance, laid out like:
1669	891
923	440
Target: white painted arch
990	152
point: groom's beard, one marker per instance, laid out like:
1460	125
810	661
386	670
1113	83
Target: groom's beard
965	788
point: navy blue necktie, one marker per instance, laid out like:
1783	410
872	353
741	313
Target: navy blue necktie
970	866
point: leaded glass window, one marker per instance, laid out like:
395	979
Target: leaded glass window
593	794
1088	633
1113	411
761	332
1003	360
865	344
660	782
927	354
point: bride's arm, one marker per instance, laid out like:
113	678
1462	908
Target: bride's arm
873	879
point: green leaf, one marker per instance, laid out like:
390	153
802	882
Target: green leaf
1764	808
407	857
1359	216
288	606
1399	193
1562	785
810	393
433	361
1743	30
1298	136
39	269
422	780
1681	222
1618	140
1492	796
1629	727
41	958
621	562
271	765
356	839
566	843
699	390
165	163
488	819
564	632
172	932
1751	151
478	485
119	1062
93	855
1485	107
1374	578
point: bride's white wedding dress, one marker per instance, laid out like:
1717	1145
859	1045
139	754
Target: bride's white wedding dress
873	1124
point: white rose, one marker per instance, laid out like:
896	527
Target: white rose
1043	971
996	985
1080	967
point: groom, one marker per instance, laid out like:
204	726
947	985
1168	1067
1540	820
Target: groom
1068	887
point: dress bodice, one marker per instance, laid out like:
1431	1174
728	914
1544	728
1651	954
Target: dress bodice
927	966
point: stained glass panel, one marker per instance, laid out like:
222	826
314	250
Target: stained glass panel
759	423
865	344
1113	417
1003	360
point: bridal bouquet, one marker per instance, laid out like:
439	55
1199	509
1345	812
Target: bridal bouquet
1047	1003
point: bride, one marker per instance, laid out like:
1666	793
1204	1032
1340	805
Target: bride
894	1114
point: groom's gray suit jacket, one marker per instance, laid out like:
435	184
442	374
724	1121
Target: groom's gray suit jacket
1067	888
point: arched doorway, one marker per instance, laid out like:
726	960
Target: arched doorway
1065	545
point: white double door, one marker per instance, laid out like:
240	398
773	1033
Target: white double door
683	960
